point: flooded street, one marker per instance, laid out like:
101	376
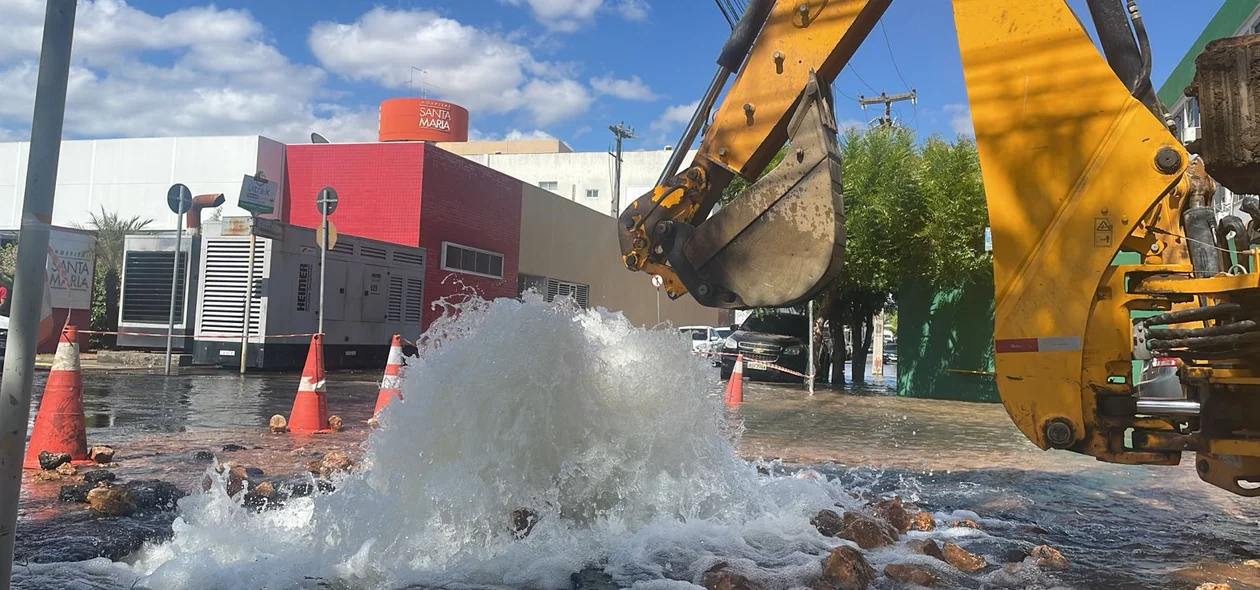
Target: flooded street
627	474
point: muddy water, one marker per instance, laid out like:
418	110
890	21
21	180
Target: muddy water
1121	526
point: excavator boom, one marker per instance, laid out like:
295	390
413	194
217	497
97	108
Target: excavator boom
1078	164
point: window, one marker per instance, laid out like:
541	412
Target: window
472	260
592	193
526	282
1256	27
1192	113
1179	122
550	185
578	292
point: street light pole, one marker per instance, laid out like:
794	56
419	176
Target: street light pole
32	257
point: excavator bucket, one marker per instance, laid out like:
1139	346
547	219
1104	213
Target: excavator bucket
781	241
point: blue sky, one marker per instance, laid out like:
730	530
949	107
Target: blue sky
525	68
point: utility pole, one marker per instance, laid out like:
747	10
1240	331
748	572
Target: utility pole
887	100
620	131
32	260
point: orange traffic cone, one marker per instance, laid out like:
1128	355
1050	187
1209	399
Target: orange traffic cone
735	385
60	426
391	383
310	407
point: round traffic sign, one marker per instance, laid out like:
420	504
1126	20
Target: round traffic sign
326	200
179	199
658	281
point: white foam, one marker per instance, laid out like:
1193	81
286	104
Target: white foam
614	435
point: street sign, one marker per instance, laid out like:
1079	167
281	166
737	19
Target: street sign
332	236
258	195
658	281
179	199
268	228
326	200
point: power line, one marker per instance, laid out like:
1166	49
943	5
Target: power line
725	14
890	54
859	77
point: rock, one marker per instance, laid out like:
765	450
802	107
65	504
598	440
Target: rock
893	511
335	423
1251	563
592	578
927	547
154	495
101	454
1049	557
253	473
278	424
1014	555
373	422
330	463
962	559
237	476
96	476
846	569
867	532
720	578
965	523
922	521
522	522
111	501
910	574
67	469
229	448
1213	586
265	489
42	475
75	493
828	523
49	461
203	456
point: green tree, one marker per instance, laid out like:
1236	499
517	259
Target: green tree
955	214
111	232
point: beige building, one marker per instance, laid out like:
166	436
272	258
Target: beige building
585	255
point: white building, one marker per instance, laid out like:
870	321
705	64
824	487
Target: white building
130	177
1235	18
581	177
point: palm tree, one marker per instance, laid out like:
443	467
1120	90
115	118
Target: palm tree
111	231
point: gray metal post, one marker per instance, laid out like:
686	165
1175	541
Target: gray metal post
323	256
249	294
810	369
170	324
32	257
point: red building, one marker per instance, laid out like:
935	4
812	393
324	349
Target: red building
467	217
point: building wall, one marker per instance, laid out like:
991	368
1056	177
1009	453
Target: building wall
575	173
378	188
130	177
562	240
506	146
472	206
945	343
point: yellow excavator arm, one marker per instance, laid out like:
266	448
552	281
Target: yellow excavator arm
1078	165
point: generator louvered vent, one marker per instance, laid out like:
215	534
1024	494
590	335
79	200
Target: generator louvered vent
578	292
147	287
343	247
408	258
393	313
371	252
406	300
223	297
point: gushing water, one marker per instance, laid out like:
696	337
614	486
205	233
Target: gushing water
612	435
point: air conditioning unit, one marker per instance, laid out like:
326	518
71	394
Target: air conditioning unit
1190	134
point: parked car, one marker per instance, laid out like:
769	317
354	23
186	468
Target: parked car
703	338
1161	377
4	337
780	339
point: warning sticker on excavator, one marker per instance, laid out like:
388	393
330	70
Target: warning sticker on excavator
1102	232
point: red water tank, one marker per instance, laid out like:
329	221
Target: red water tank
422	119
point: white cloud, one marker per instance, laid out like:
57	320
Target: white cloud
632	89
675	116
959	119
553	101
480	70
215	73
568	16
511	135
